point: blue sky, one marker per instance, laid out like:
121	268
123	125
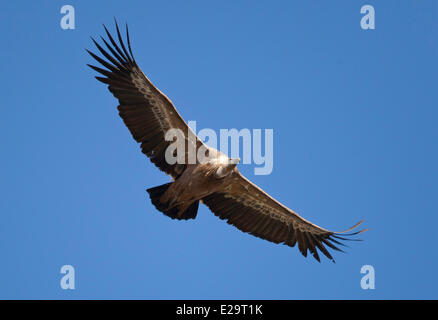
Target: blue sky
354	116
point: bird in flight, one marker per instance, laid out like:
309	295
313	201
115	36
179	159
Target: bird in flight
217	183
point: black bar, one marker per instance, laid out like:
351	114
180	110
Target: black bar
215	309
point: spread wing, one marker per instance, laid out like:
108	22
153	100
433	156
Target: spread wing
145	110
250	209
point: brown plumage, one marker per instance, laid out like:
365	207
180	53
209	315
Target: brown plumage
149	114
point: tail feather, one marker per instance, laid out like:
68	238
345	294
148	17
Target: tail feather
191	212
155	194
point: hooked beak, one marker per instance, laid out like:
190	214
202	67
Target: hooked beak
234	161
226	169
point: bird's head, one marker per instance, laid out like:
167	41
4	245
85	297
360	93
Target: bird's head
226	166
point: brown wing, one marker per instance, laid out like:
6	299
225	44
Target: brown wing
145	110
250	209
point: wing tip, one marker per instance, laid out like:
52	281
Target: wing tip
344	232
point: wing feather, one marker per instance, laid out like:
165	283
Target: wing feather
250	209
145	110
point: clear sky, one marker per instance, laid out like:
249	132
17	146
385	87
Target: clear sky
354	116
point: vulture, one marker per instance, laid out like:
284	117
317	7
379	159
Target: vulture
217	183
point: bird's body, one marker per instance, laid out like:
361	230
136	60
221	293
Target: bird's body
216	182
196	182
